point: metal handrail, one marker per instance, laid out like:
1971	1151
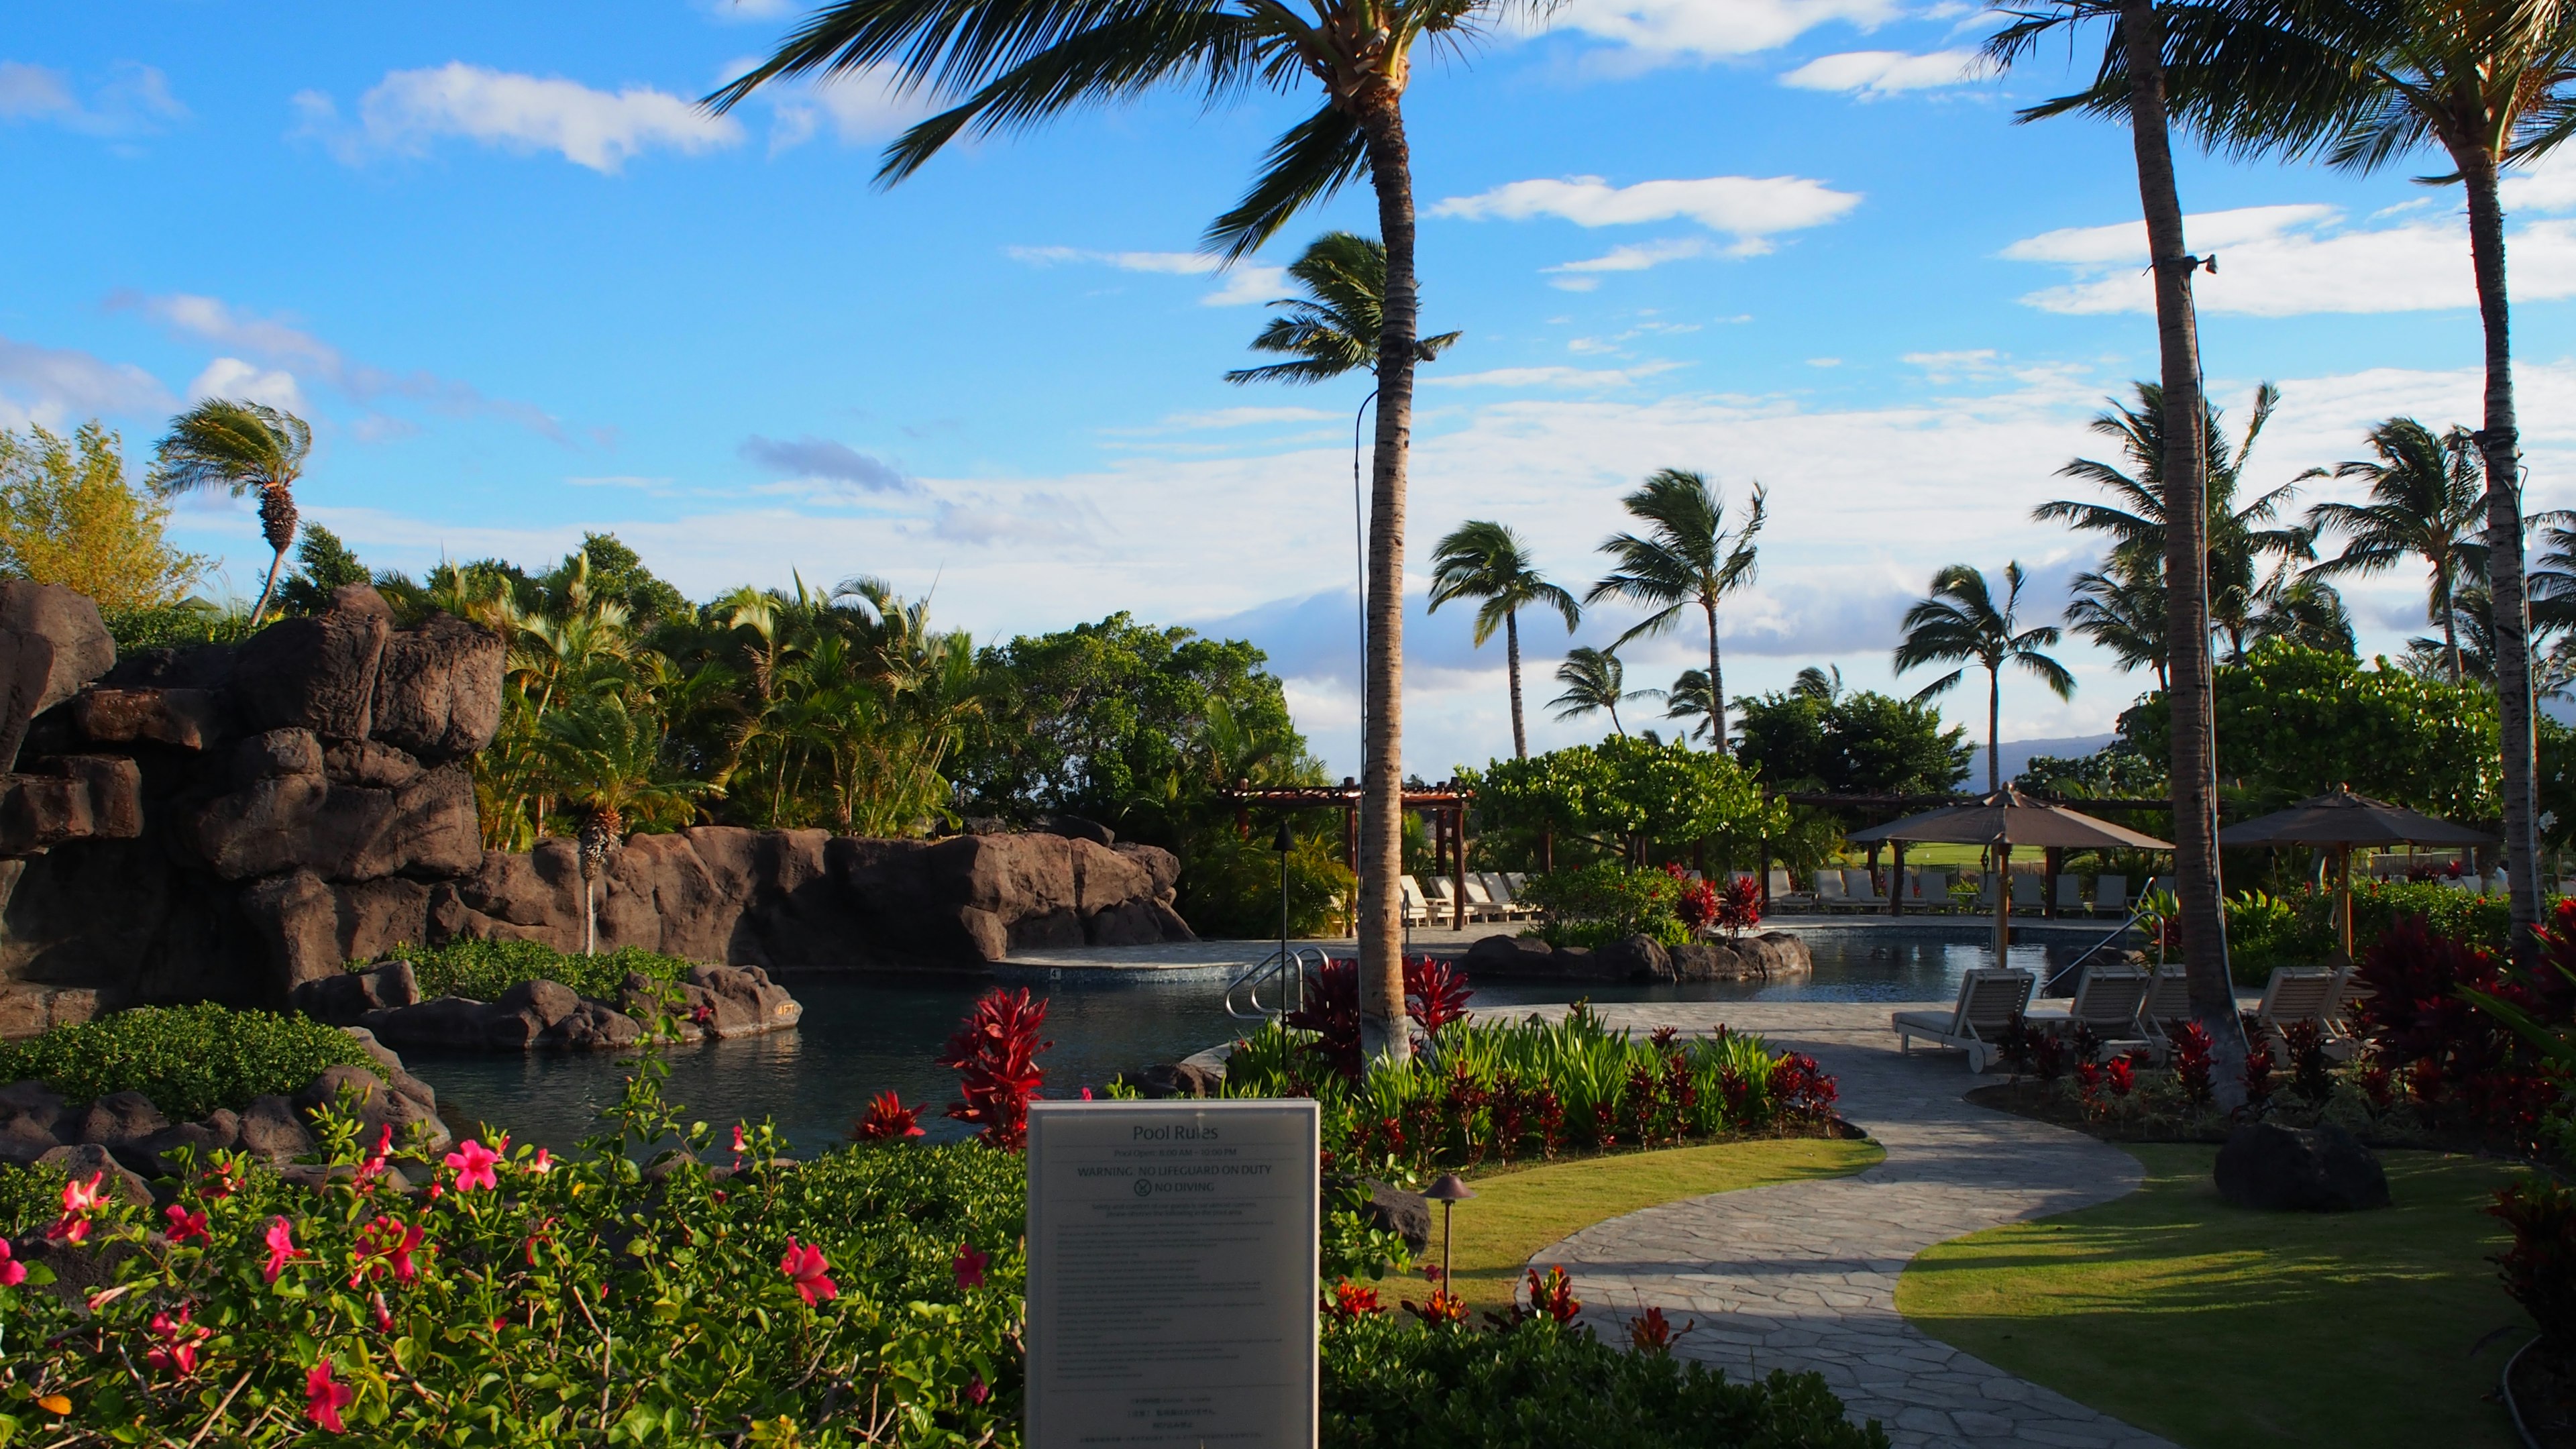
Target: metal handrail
2136	914
1287	968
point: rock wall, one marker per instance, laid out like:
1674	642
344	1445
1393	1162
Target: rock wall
230	822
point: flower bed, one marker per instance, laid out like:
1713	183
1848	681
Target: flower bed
189	1060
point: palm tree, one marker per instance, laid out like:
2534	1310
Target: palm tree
2124	613
2426	496
1960	624
1594	679
1481	560
609	765
1333	329
1821	683
1687	557
2134	53
2297	609
1013	67
238	447
1688	699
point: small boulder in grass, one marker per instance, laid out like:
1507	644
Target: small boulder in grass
2320	1169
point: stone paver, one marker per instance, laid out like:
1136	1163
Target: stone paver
1802	1276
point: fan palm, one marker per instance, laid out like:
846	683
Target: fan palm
2133	89
1333	329
1487	561
1011	67
1594	679
1686	557
1961	624
2426	497
239	447
609	765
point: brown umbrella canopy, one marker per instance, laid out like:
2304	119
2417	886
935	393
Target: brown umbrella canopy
2008	817
2346	819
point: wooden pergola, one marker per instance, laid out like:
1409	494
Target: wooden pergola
1445	803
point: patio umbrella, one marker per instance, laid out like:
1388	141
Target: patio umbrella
2003	820
2341	820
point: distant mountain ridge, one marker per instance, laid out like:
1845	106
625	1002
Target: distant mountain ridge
2017	754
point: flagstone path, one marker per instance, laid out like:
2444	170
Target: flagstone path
1802	1276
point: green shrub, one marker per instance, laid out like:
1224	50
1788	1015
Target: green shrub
30	1198
2480	920
189	1060
1389	1384
2264	931
1229	886
1604	902
485	969
175	626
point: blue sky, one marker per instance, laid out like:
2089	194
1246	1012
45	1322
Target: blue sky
524	289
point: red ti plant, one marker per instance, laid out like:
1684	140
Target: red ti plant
2191	1062
1739	907
2120	1074
1697	906
2258	1071
994	1054
2539	1270
1435	994
1652	1332
888	1120
1802	1090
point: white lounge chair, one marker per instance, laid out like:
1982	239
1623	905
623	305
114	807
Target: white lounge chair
2295	994
1481	905
2109	1001
1986	893
1988	1001
2070	894
1930	890
1831	894
1862	887
1499	891
2110	894
1417	907
1785	892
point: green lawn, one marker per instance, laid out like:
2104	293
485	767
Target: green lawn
1520	1210
2215	1326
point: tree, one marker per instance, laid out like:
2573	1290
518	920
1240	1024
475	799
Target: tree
1688	699
323	563
1018	66
1487	561
1333	329
2426	496
610	766
240	447
1621	792
68	516
1857	742
1594	679
2124	612
2298	610
617	573
2132	88
1686	557
1961	624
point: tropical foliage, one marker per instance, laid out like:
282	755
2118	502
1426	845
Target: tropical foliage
1627	798
189	1060
68	516
484	969
1685	558
239	447
1962	624
1487	562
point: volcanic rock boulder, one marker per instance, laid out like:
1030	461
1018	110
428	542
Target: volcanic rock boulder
52	641
2320	1169
316	673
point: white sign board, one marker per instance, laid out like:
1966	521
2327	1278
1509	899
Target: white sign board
1172	1274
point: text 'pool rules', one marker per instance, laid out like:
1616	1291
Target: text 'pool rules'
1172	1274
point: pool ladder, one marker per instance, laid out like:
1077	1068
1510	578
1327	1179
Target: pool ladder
1284	972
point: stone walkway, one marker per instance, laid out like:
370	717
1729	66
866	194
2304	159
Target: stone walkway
1802	1276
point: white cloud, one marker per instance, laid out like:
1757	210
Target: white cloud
410	109
1244	417
861	107
1748	208
1708	29
1597	378
1637	257
279	343
231	377
748	10
1243	286
59	387
2288	261
1886	72
136	100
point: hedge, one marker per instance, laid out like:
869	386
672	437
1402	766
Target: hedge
189	1060
485	969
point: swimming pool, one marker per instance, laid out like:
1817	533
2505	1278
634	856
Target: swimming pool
864	1034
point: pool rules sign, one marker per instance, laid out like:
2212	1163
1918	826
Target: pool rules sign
1172	1274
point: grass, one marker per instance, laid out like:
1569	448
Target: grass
1517	1211
2212	1325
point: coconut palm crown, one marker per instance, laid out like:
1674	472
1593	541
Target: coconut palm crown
1333	329
1594	680
239	447
1961	624
1487	561
1686	556
2427	500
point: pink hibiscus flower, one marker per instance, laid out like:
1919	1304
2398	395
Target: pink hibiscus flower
804	1264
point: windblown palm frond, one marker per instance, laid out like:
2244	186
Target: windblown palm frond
1594	679
1686	556
2427	501
1333	329
239	447
1960	623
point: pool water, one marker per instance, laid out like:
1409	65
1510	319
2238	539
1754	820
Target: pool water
863	1034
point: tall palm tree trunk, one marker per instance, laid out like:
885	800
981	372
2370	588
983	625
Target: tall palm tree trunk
1716	683
1994	728
1512	661
2499	443
1383	1037
2194	765
276	524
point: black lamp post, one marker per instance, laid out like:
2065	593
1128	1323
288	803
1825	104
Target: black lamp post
1449	1191
1284	843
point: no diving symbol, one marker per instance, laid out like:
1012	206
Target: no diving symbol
1144	1188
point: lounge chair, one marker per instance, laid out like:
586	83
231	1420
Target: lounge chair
1830	892
2109	1001
2168	998
1862	887
1988	1001
2070	894
1481	905
1498	889
2294	994
1785	892
1417	907
2110	894
1930	890
2029	891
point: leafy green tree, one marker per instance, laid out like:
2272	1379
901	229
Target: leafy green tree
1594	680
1488	562
68	516
1858	743
323	563
1334	328
617	573
1686	556
240	447
1622	790
1014	68
2296	722
2119	770
2426	501
1961	624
